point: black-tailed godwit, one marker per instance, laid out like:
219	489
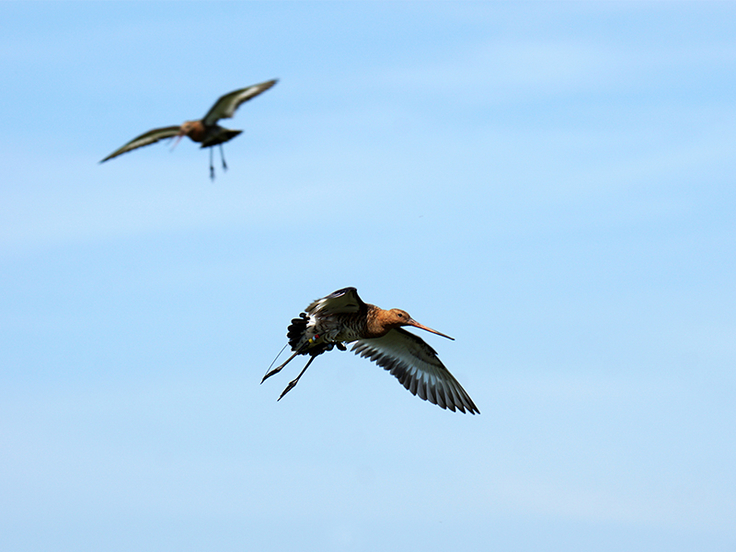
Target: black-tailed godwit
206	130
342	317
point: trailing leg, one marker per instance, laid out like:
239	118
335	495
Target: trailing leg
222	156
293	383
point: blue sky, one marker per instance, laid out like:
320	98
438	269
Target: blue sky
552	184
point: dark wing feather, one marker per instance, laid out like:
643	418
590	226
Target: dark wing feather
145	139
417	367
342	301
226	106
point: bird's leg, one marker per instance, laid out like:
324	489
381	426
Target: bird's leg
279	368
293	383
212	168
222	156
304	346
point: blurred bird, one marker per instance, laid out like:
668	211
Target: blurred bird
343	317
206	130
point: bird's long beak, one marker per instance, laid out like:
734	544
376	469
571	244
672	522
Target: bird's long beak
178	139
416	324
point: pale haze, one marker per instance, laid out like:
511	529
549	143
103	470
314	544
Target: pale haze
551	184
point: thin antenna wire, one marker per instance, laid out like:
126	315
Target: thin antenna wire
274	360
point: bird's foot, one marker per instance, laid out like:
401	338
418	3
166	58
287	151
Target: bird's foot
296	380
272	372
289	387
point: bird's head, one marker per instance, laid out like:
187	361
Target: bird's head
395	318
188	128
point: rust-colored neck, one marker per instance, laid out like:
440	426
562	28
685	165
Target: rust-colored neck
194	129
378	322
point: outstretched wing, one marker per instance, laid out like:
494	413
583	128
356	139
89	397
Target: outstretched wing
417	367
342	301
226	106
145	139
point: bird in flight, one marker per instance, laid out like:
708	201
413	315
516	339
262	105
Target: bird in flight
342	317
206	130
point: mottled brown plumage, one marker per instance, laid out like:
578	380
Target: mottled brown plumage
342	317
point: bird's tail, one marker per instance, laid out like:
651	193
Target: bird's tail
303	339
220	137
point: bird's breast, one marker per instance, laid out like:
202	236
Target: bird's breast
338	328
195	130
